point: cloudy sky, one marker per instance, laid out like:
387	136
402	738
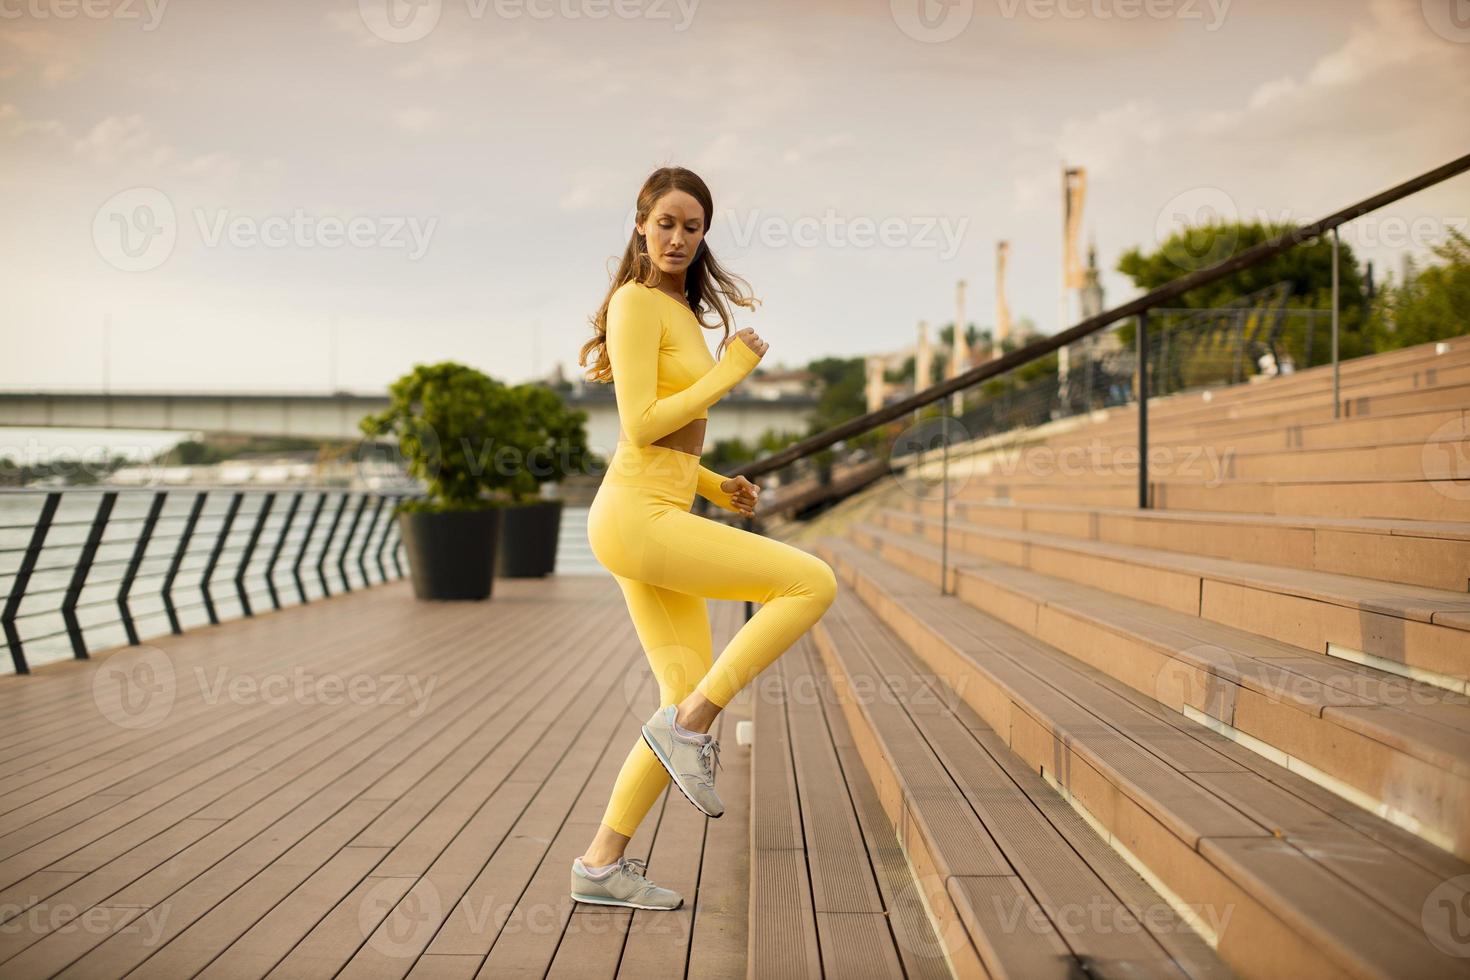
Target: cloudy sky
221	189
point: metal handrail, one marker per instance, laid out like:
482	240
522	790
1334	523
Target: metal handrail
265	539
1139	307
1135	307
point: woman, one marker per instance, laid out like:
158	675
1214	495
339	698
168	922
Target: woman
667	560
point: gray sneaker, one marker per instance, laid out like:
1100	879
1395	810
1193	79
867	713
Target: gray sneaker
625	885
691	765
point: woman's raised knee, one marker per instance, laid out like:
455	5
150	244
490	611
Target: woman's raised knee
829	584
821	582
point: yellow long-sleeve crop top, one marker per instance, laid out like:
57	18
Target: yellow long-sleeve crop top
664	376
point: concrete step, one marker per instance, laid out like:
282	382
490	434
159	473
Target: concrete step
1415	631
1390	745
1003	860
1432	554
1282	877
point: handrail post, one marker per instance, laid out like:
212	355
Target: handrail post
347	543
749	605
321	559
398	542
219	549
316	514
383	541
23	580
1336	391
80	573
944	513
1141	342
185	536
250	545
281	535
367	539
139	550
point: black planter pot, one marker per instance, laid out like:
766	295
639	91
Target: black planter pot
451	554
528	536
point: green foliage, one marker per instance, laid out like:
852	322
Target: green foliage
843	392
192	452
1432	305
221	447
1308	266
474	441
554	439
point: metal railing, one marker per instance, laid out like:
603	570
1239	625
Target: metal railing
1139	310
150	553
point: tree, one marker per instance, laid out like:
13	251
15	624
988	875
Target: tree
1432	304
1307	267
843	391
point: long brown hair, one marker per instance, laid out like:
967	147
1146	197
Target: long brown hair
706	283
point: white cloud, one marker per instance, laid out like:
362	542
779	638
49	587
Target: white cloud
129	142
1117	138
416	119
14	123
48	56
814	146
119	137
1394	35
1112	137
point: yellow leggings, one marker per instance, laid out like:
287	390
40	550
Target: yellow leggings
668	561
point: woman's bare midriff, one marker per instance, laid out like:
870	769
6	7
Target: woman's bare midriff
689	439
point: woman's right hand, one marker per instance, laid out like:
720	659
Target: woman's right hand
752	340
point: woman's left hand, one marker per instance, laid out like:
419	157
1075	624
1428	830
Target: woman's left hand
743	494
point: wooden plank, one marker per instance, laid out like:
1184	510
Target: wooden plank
194	881
309	823
1196	882
1147	646
783	927
1086	914
924	953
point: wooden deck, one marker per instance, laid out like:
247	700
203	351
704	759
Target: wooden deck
366	786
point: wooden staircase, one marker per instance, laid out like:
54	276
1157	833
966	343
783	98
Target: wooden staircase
1226	735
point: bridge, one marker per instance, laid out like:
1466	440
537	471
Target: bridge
335	416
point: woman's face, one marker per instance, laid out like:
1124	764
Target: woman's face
674	229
